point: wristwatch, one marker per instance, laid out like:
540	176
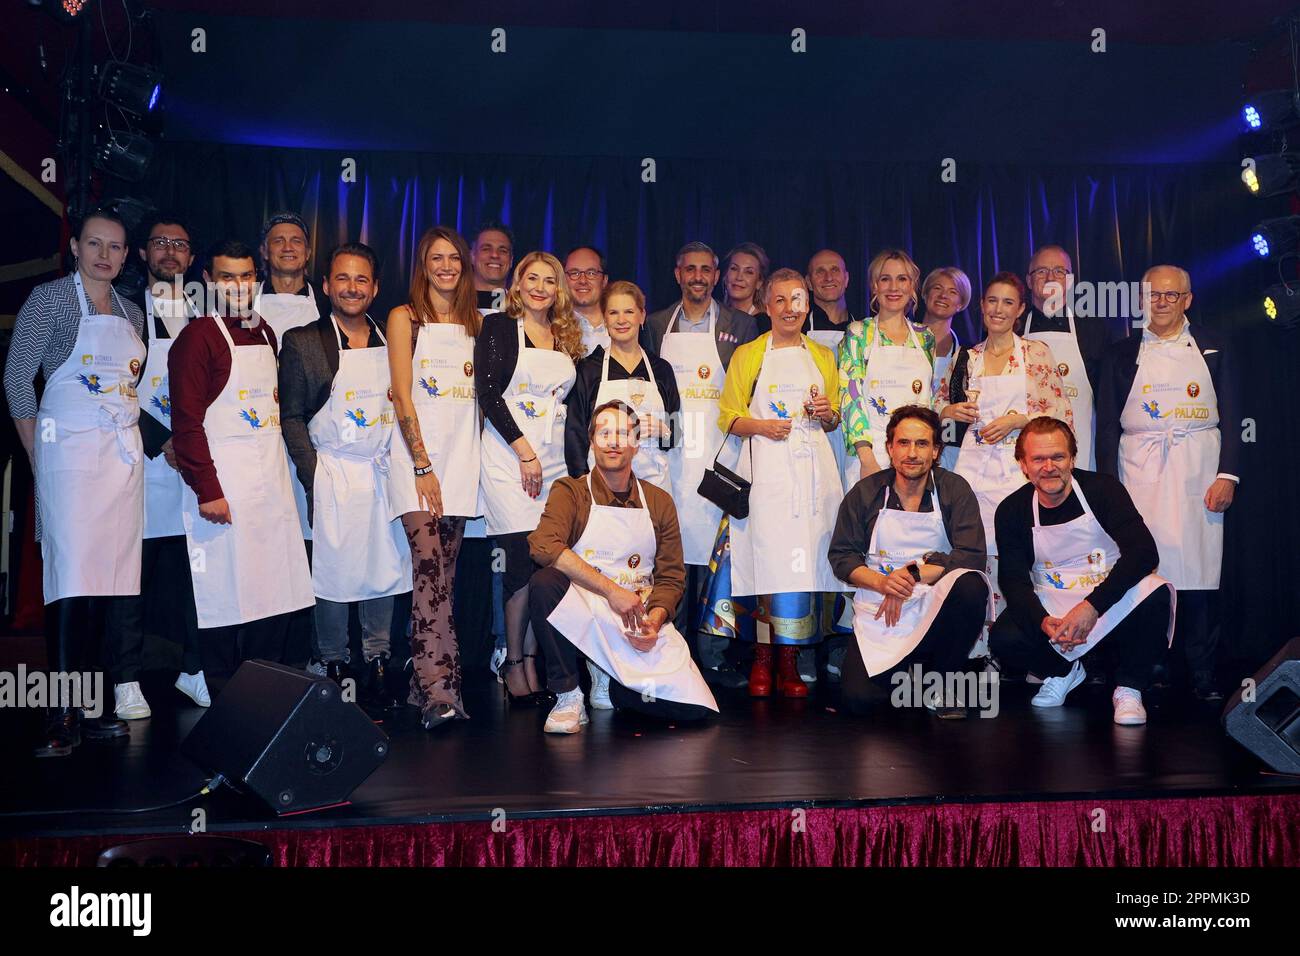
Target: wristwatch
914	569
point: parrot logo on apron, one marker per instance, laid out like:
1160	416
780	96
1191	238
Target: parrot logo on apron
92	384
163	404
779	409
1054	579
1152	408
430	385
879	403
358	417
529	409
250	416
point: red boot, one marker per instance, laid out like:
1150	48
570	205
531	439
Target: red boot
760	675
788	681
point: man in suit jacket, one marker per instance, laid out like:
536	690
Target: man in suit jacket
697	273
309	362
1168	426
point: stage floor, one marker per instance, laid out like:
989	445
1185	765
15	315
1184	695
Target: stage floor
756	754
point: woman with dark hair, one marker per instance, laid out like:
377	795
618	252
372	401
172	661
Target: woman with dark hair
88	464
434	486
524	368
997	386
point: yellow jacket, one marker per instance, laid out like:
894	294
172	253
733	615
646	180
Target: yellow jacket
743	371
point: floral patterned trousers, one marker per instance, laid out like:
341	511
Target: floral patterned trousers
434	655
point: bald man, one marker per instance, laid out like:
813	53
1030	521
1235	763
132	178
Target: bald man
1162	396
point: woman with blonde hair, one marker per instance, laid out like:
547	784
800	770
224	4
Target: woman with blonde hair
434	486
524	366
884	363
945	292
744	276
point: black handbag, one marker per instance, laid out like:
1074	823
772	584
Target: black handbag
724	487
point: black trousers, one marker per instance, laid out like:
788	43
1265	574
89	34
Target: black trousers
548	589
92	634
472	604
1196	634
165	606
1138	643
519	566
945	648
300	633
223	649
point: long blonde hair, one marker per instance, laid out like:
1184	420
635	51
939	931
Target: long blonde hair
564	324
877	266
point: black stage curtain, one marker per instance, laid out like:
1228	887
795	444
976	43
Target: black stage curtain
1115	221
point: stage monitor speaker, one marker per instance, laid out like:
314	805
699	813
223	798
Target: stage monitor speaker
1269	725
287	737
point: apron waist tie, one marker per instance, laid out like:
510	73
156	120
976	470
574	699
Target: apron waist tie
120	421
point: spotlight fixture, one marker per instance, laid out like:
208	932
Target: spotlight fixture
1274	238
1275	109
1282	306
1272	173
129	87
124	155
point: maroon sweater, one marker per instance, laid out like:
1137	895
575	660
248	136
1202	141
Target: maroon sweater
198	367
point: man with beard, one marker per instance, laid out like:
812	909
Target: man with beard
587	273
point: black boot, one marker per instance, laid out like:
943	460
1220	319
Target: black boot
62	733
378	694
103	727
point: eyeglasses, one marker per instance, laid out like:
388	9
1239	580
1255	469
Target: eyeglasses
576	274
1042	272
1170	297
162	244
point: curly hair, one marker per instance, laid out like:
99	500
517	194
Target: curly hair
564	324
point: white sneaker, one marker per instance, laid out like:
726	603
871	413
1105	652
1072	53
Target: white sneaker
195	688
129	701
599	688
806	663
568	715
1128	707
1055	688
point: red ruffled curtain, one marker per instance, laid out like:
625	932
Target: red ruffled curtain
1200	831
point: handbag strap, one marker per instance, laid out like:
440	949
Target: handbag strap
727	435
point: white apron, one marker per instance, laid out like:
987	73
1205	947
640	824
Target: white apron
651	462
282	312
897	375
1074	379
1169	457
697	366
89	462
535	396
257	565
592	336
992	470
831	338
795	496
163	484
620	544
898	539
359	551
1085	554
442	390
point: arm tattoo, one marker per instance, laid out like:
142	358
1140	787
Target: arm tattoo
410	427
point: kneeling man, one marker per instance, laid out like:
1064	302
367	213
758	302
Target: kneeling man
611	575
1077	563
909	538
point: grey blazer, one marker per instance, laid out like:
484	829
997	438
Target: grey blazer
733	329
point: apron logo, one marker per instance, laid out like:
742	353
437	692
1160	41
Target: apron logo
1062	370
425	363
243	394
358	417
1193	390
134	366
878	403
250	416
1152	408
390	393
468	369
275	394
1054	579
634	560
87	359
588	554
916	386
163	404
529	410
155	381
92	383
779	409
349	395
704	373
430	385
1146	389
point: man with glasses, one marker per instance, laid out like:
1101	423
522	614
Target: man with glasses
586	271
492	253
1163	395
1077	343
166	602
